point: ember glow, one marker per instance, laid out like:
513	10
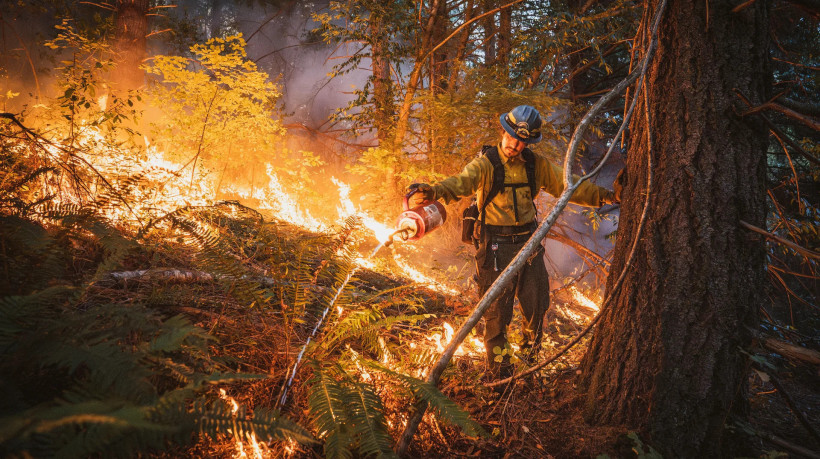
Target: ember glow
245	448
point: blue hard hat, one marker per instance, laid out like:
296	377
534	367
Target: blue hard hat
523	123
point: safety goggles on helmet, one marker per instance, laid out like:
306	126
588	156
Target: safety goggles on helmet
522	129
523	123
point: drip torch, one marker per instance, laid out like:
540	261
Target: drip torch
414	223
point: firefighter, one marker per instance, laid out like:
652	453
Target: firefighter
506	222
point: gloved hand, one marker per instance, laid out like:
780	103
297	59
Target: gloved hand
620	183
422	192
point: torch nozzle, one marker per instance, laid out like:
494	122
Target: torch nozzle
404	232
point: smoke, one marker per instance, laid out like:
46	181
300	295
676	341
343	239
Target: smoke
279	41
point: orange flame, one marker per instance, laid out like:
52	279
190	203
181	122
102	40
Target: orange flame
583	300
257	450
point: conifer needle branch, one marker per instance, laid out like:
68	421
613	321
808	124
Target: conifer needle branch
797	248
523	255
472	20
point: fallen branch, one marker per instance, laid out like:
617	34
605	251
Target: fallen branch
185	276
799	249
534	242
790	402
788	445
792	352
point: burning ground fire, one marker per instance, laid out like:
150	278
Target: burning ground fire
177	189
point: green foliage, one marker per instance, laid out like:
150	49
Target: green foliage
218	233
442	406
83	376
552	33
216	105
386	32
109	379
85	110
506	351
347	389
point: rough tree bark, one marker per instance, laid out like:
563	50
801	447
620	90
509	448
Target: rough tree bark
383	103
666	359
131	25
489	34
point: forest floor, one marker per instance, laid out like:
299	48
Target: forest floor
537	416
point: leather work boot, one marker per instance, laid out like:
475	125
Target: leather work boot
529	353
497	371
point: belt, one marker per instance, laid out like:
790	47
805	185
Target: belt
511	234
510	238
528	228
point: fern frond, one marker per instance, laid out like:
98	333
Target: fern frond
445	408
366	327
368	424
328	411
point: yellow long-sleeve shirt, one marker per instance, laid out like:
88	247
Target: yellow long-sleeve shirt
477	178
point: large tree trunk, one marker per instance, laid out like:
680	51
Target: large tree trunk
131	24
666	359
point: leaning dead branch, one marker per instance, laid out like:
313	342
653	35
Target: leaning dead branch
790	402
534	242
802	451
792	352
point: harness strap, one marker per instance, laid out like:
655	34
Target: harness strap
498	180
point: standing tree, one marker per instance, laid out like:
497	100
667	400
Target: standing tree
668	358
131	31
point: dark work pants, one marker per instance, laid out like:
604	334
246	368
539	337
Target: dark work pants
531	286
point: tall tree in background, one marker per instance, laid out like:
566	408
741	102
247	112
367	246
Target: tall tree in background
131	32
667	358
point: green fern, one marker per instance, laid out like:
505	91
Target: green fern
347	413
328	411
369	426
111	380
445	408
366	327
